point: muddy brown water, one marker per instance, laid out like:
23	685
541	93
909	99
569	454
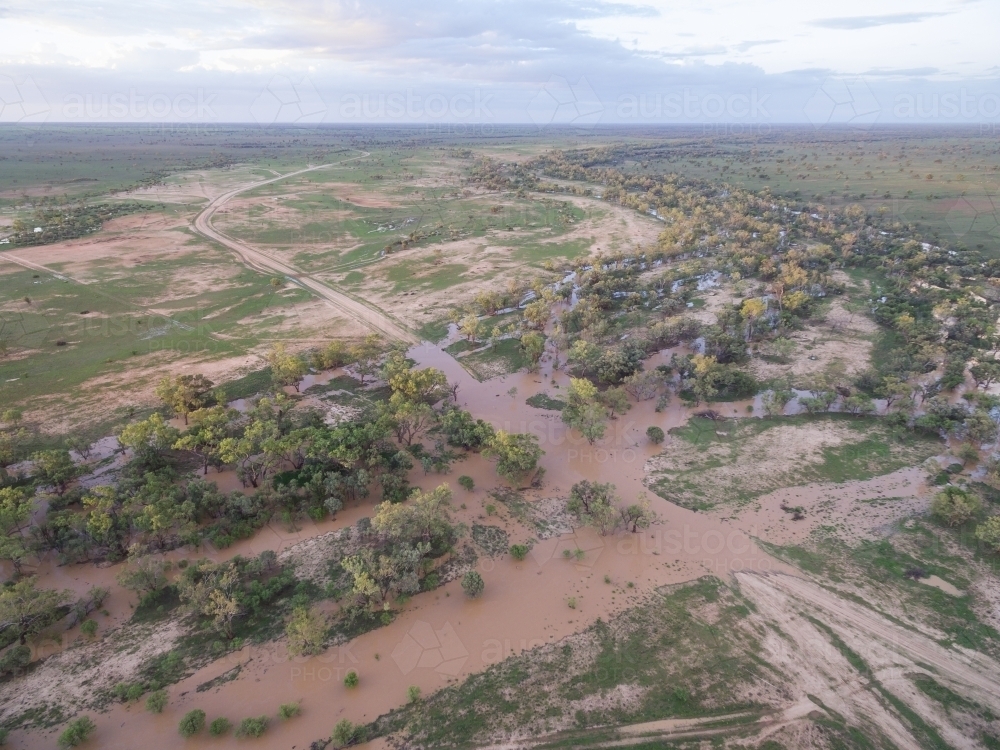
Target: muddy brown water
442	636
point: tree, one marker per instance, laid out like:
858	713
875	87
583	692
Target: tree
55	469
774	401
473	584
149	437
655	434
988	533
377	575
463	431
366	356
752	310
157	701
26	609
143	574
184	394
537	313
408	418
892	389
585	354
583	412
859	405
306	631
637	515
954	506
470	327
705	369
192	723
985	372
343	733
516	454
210	426
424	517
76	732
980	427
594	504
642	385
428	385
15	513
533	344
615	400
286	368
333	355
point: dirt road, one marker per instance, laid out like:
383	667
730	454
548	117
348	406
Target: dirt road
352	308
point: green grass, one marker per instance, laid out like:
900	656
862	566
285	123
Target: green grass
504	358
711	462
434	331
545	401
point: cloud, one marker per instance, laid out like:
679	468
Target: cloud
904	72
745	46
869	22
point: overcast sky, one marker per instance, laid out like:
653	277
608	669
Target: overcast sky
532	61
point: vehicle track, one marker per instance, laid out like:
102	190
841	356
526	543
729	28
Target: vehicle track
367	316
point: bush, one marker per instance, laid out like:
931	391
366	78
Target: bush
289	710
77	732
351	679
219	726
467	482
89	628
472	584
655	435
413	693
192	723
519	551
15	659
252	726
954	506
156	702
343	733
988	533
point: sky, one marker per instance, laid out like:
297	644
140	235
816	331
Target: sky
540	62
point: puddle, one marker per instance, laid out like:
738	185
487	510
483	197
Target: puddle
940	583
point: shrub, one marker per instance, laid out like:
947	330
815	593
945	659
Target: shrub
655	434
252	726
472	584
192	723
343	733
156	702
571	602
519	551
491	509
413	693
219	726
76	732
466	482
351	679
988	533
89	628
954	506
289	710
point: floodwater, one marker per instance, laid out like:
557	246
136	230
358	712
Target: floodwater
442	636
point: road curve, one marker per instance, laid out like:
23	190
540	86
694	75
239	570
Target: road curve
366	316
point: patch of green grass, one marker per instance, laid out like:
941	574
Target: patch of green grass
545	401
712	462
434	331
504	358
